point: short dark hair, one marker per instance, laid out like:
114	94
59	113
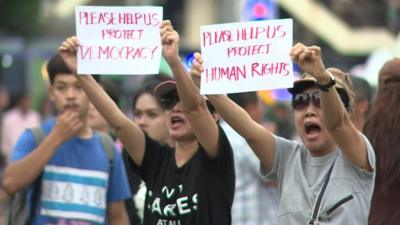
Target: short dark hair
56	65
362	88
245	98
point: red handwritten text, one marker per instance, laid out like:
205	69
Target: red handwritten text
243	34
112	18
236	73
248	50
121	34
116	53
262	69
231	73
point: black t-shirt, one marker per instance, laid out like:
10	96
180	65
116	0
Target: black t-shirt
198	193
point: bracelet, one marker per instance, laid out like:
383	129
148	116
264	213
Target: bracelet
325	87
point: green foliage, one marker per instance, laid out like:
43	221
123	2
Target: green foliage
19	17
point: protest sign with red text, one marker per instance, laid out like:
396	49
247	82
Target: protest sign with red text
118	40
246	56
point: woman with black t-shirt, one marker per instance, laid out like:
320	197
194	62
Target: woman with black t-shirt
192	183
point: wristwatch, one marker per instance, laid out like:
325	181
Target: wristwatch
325	87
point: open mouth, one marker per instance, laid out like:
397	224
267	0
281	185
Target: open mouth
312	129
176	121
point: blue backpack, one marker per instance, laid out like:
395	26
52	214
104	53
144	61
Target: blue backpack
20	212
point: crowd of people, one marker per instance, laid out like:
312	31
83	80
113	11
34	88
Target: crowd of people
185	158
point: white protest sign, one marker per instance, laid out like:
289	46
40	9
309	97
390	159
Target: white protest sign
247	56
118	40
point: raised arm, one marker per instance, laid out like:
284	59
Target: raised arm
193	104
335	116
127	131
259	138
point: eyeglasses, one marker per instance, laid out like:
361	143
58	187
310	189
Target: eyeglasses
301	100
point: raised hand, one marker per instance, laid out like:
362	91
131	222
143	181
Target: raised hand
68	51
67	126
169	40
309	59
197	68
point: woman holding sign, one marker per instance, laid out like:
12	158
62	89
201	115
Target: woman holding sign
328	179
191	184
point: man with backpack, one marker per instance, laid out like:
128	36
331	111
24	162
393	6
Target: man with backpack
71	175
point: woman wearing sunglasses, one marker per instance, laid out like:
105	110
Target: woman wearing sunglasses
329	177
192	183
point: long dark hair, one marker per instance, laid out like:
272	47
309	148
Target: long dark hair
382	128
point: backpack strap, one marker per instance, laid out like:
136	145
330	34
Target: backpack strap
108	145
39	135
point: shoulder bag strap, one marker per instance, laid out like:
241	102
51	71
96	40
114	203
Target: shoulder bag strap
317	204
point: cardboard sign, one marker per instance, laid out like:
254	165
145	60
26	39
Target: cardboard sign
118	40
247	56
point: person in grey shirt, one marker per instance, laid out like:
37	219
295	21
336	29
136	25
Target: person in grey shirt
255	201
329	177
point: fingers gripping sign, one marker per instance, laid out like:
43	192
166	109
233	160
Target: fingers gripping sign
68	50
198	63
197	69
169	40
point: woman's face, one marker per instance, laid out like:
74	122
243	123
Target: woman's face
151	117
310	126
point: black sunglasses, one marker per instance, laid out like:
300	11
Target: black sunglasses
169	101
301	100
